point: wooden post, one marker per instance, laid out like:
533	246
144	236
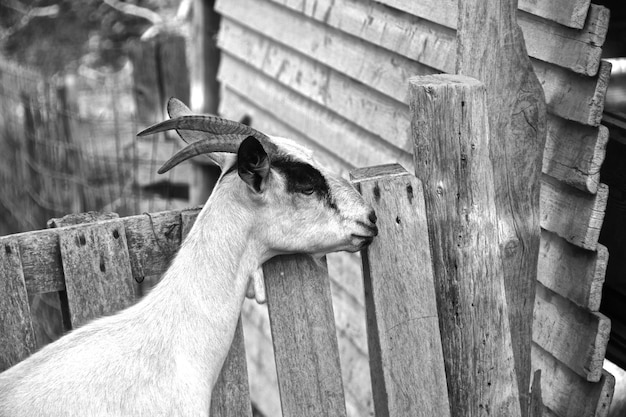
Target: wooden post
406	358
491	48
304	336
451	151
17	338
204	88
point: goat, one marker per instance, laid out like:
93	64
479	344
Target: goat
162	356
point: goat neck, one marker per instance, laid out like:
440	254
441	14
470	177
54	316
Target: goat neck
209	277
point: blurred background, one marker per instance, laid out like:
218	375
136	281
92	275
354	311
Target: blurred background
78	80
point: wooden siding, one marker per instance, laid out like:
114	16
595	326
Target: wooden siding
334	75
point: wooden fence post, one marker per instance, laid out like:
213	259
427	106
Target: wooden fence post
404	343
451	151
304	336
494	52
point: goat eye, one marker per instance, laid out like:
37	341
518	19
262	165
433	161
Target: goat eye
307	190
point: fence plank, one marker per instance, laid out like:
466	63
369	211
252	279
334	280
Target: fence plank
305	341
415	37
567	394
574	336
17	338
406	358
231	394
450	128
98	275
573	152
575	273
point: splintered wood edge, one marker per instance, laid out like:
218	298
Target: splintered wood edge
370	173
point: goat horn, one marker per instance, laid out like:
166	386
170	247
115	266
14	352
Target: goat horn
205	123
214	143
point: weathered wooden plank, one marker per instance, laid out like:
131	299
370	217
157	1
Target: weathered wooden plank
260	359
415	37
231	394
406	358
567	394
572	96
98	276
574	336
575	273
451	135
337	132
573	152
516	115
17	338
572	214
566	12
304	336
328	46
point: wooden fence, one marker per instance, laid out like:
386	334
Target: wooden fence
334	75
94	259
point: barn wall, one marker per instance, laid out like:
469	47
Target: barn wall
334	75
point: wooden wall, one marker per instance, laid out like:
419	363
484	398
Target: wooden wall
334	75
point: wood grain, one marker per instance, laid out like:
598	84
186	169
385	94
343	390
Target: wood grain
406	358
582	283
98	275
451	135
575	337
304	336
572	214
567	394
17	338
573	152
416	37
517	127
572	272
568	13
582	95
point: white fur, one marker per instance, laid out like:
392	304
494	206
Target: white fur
162	356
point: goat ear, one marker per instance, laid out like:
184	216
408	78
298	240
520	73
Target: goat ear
253	164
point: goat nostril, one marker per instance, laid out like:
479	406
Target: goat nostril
372	216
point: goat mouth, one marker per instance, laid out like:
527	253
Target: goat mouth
363	240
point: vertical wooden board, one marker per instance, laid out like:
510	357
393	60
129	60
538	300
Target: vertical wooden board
231	394
305	341
406	357
452	158
96	264
17	338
